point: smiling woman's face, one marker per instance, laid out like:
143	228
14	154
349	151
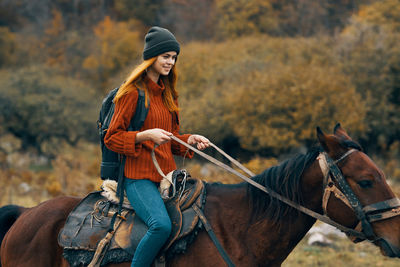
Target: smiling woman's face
164	63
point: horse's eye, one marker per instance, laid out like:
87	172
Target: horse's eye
365	184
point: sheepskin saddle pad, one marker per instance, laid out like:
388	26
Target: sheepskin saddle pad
90	221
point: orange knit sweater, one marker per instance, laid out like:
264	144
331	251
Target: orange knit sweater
139	164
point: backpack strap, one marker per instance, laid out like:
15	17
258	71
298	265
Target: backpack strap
140	113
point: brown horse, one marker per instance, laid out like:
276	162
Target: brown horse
254	229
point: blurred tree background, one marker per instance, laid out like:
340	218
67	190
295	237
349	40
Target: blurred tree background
255	76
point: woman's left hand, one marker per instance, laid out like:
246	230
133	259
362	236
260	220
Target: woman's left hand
201	141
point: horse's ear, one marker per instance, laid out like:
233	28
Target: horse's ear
322	138
339	131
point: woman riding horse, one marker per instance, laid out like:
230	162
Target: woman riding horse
253	228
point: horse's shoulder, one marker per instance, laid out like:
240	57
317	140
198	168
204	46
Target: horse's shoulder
225	199
220	190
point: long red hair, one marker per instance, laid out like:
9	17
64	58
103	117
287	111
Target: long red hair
169	95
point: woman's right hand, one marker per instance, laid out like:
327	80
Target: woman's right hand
158	136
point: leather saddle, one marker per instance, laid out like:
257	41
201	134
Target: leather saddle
90	220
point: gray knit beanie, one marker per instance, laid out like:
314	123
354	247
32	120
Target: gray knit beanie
159	40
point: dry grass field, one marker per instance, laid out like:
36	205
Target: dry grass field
344	253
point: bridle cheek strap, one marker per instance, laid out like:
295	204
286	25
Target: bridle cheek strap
332	188
329	186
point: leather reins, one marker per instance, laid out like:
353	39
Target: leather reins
366	215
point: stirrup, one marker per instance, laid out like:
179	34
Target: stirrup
160	261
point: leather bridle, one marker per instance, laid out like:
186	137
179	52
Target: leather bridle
334	182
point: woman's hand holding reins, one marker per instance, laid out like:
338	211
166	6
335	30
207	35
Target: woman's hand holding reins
200	140
158	136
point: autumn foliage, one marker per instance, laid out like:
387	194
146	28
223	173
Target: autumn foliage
256	77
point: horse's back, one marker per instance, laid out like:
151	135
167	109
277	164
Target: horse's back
32	239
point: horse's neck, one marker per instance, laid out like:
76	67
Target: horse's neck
229	211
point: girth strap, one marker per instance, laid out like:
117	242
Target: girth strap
212	235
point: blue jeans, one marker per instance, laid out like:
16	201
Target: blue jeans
146	201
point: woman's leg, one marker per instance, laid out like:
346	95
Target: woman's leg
146	201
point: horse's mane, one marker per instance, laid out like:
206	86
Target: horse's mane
283	179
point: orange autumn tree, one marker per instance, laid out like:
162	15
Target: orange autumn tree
54	40
116	45
370	55
244	17
267	93
7	46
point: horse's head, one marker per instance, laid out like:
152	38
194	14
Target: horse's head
356	193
